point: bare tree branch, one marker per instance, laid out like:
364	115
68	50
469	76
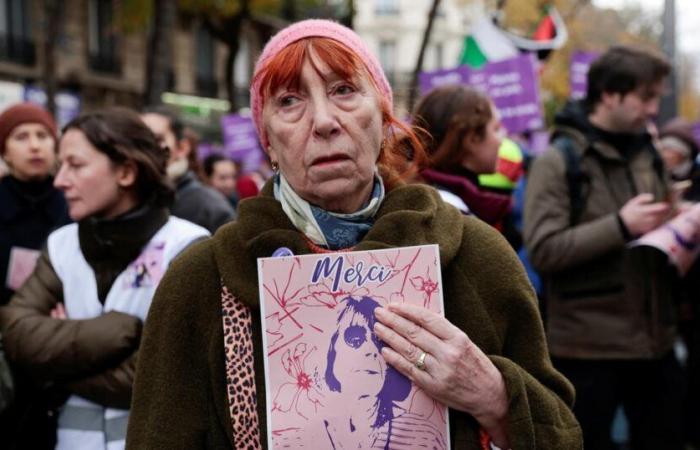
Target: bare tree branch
413	89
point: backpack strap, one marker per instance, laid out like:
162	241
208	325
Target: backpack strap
575	178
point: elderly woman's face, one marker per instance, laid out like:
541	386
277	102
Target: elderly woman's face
326	136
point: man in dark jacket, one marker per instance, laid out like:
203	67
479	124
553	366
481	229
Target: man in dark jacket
611	318
193	200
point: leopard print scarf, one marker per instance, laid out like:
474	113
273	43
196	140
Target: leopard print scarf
240	372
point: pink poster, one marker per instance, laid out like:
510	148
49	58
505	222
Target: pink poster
21	264
679	238
327	385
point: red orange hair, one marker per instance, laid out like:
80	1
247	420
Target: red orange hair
396	162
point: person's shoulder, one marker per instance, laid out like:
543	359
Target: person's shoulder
479	237
550	163
65	232
210	197
195	263
184	229
190	287
485	255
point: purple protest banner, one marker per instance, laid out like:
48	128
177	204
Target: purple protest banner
205	149
241	141
578	72
696	131
431	80
512	84
68	105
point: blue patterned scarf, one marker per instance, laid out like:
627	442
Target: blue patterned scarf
330	230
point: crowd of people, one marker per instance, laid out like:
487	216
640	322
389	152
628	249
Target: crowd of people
129	310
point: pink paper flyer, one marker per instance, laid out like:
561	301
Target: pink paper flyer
20	266
327	385
679	238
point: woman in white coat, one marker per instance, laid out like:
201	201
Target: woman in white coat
76	323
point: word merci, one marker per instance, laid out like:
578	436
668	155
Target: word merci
356	274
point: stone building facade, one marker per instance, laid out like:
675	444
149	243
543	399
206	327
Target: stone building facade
101	66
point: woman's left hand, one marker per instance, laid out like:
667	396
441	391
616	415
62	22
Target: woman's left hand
456	372
59	312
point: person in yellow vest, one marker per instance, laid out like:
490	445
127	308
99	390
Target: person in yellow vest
509	168
505	181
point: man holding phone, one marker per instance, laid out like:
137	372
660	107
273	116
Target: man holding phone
611	317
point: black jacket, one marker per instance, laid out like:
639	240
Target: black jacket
29	211
201	204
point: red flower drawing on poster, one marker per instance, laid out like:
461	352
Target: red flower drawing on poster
427	286
300	395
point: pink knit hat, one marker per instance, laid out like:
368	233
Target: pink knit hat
306	29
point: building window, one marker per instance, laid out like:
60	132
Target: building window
387	58
386	7
204	69
16	42
102	39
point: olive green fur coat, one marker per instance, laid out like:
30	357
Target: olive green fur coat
180	399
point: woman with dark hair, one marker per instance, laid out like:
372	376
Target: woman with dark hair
324	114
463	137
76	323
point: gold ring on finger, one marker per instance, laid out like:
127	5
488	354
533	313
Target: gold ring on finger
420	363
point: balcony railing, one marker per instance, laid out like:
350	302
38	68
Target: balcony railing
17	49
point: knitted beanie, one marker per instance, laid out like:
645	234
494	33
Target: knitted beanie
306	29
23	113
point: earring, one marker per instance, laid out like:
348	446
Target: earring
275	167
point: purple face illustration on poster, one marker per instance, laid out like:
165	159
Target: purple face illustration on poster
381	384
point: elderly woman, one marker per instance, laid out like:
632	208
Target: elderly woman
76	323
323	109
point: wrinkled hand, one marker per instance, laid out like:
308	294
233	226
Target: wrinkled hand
641	215
59	312
457	373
